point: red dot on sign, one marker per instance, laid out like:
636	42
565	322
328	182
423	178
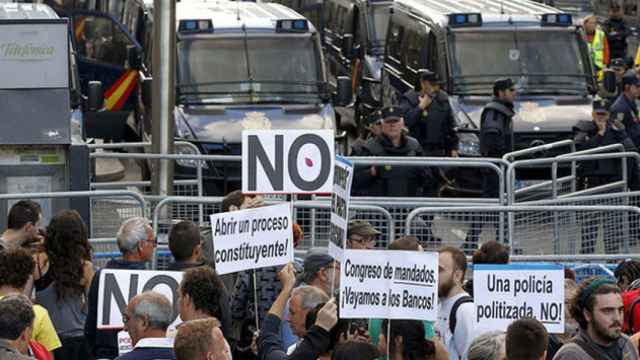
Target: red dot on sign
308	161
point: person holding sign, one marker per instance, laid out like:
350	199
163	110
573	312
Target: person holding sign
456	313
598	309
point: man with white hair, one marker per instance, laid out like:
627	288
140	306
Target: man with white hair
137	244
147	318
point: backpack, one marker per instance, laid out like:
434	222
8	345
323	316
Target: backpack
631	300
454	310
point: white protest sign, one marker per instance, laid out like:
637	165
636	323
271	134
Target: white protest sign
287	161
117	287
252	238
342	179
505	293
389	284
125	344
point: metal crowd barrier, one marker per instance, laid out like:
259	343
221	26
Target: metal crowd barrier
535	233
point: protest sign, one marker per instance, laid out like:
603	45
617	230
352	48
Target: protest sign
342	178
505	293
389	284
287	161
253	238
117	287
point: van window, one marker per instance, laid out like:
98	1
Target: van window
99	39
415	45
394	42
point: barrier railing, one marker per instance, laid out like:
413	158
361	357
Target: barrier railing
304	204
535	232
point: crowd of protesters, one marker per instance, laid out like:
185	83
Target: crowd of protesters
49	303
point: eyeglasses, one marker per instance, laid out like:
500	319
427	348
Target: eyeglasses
125	318
363	240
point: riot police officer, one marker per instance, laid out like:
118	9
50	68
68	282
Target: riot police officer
601	131
390	180
429	117
496	139
625	108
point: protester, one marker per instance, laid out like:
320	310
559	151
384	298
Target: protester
488	346
320	270
491	252
201	339
598	309
627	274
315	341
147	318
62	279
16	266
361	235
526	339
16	324
407	341
202	295
136	243
355	350
23	224
456	311
185	244
556	341
236	200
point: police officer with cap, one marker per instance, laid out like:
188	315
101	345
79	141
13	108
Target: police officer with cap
374	128
496	139
601	131
429	117
625	108
390	180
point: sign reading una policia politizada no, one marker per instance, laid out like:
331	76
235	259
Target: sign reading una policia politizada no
287	161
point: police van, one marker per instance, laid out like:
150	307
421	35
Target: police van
471	45
353	34
242	65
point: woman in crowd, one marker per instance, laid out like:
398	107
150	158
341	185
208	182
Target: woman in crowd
407	342
62	278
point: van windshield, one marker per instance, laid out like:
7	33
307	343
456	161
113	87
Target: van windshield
282	69
539	61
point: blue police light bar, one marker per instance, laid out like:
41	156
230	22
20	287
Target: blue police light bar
462	20
195	26
560	19
297	25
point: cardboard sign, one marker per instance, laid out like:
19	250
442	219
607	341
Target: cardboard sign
34	56
253	238
287	161
117	287
505	293
389	284
342	179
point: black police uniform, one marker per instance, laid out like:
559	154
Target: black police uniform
434	127
601	172
627	109
617	32
496	139
401	181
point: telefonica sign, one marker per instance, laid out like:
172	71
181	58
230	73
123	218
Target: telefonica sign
29	51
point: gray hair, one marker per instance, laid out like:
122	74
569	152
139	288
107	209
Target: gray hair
487	346
16	314
131	232
156	307
310	296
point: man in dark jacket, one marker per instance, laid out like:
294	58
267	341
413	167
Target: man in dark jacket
429	117
625	109
137	243
390	180
602	131
616	31
496	139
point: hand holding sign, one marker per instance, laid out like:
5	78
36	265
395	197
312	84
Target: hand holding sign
328	315
287	277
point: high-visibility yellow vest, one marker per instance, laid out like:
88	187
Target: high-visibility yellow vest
596	49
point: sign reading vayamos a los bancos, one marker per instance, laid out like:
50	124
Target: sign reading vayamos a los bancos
34	55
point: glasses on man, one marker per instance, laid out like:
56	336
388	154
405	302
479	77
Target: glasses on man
362	239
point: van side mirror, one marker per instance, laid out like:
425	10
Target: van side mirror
147	89
609	81
344	94
134	57
95	95
347	45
